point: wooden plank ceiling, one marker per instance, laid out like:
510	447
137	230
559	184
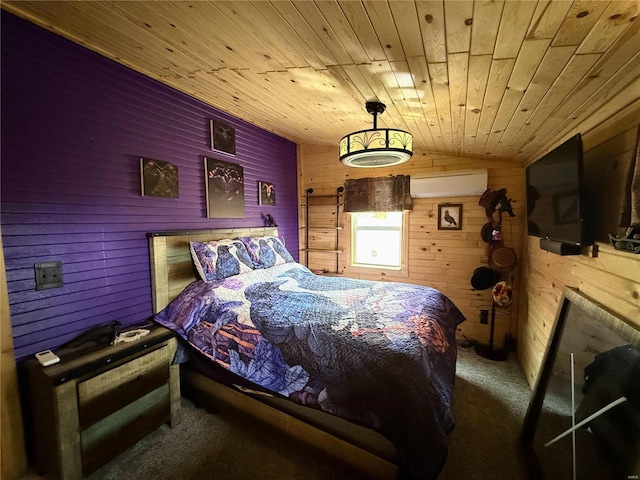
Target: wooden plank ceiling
485	79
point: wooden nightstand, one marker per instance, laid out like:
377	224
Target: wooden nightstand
90	408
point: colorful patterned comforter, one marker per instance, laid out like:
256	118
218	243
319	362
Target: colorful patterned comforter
379	354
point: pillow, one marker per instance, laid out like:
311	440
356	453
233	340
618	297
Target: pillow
220	259
266	251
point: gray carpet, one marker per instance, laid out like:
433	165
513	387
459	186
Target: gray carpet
490	400
489	404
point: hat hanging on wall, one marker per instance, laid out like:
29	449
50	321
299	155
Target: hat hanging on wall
484	278
502	259
496	200
486	232
490	200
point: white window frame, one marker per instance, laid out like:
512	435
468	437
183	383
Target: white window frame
369	270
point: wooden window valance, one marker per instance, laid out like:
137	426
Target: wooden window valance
382	194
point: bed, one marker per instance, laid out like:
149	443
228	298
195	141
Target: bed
364	370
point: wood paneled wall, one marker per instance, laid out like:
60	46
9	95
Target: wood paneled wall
445	260
74	126
13	458
613	277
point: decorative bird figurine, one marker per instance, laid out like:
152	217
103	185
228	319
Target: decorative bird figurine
449	218
271	222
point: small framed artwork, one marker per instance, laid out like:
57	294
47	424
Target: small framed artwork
450	216
158	178
224	185
223	137
266	193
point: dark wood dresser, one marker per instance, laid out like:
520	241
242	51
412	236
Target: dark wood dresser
92	406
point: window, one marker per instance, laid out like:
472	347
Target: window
377	239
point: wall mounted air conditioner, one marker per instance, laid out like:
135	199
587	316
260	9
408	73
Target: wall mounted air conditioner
460	183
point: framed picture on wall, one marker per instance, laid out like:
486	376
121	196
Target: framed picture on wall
450	216
158	178
224	184
266	193
223	137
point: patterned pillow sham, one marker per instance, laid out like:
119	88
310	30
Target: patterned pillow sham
267	251
220	259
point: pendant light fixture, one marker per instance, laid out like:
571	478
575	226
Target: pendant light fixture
376	147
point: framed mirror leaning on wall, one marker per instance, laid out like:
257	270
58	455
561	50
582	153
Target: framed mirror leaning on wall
583	420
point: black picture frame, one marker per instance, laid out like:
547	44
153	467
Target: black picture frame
266	194
450	216
591	354
158	178
223	137
224	188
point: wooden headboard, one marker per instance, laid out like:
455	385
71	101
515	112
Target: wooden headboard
171	263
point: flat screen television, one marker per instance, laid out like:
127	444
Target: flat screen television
556	199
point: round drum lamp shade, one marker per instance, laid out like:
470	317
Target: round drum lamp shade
381	147
376	147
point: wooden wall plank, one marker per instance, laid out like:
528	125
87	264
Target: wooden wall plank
613	22
282	29
486	21
611	278
357	17
408	27
440	86
582	16
498	79
458	20
333	15
13	457
547	19
458	65
379	15
420	72
576	69
309	36
514	24
479	68
325	32
432	25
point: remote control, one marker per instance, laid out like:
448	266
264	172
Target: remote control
47	358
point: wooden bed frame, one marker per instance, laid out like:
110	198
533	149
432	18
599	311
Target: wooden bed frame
366	450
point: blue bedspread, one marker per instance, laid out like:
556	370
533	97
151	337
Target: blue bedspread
379	354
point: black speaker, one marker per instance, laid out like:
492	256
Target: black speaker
559	248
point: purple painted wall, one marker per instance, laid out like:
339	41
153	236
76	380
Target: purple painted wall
74	126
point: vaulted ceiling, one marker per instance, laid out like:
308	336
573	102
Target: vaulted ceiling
487	79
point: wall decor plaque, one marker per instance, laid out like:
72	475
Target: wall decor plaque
224	184
158	178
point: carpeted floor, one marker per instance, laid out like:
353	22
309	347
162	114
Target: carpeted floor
489	403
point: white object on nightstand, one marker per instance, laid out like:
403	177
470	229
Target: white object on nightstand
47	357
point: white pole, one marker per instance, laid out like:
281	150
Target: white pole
588	419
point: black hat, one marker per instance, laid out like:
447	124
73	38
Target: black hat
487	232
484	277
